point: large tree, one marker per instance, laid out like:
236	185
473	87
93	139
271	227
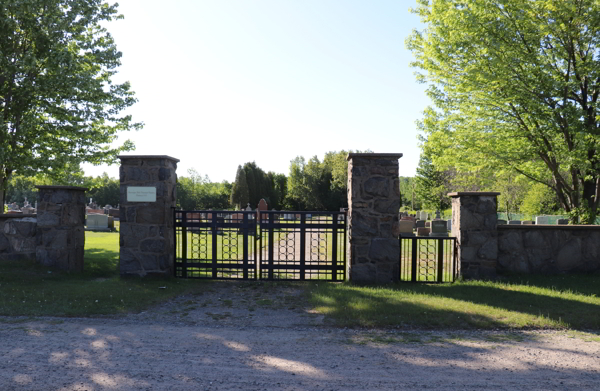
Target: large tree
58	105
515	84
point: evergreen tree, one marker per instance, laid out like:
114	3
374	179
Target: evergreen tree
239	192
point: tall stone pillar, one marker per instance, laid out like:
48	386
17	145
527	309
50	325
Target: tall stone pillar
373	206
147	243
60	236
474	220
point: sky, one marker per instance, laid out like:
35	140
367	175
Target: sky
225	82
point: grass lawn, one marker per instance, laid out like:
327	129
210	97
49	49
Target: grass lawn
27	288
517	302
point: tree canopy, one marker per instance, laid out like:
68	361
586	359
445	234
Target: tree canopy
58	104
515	85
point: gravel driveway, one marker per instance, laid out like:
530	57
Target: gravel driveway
210	343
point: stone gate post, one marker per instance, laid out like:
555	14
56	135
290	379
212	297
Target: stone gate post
373	206
474	220
60	235
147	243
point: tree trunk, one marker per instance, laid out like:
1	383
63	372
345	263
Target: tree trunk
2	191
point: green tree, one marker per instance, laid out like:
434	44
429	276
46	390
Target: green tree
431	185
515	84
58	105
103	190
197	192
239	192
407	193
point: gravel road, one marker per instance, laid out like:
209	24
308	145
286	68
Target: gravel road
208	343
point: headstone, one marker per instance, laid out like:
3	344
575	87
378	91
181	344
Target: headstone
514	222
27	210
562	221
438	215
501	222
428	224
406	228
409	219
262	205
114	213
439	228
527	222
248	208
542	220
420	224
423	231
449	225
97	222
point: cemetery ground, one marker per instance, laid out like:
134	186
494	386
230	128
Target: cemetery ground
96	331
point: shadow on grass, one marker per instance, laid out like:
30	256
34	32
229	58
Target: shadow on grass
99	262
461	305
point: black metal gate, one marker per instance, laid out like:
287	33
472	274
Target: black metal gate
303	245
428	259
215	244
267	245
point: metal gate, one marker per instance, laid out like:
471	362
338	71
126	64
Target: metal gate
428	259
215	244
272	245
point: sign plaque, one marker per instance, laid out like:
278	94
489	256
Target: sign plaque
141	194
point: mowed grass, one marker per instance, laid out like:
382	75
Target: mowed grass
29	289
518	302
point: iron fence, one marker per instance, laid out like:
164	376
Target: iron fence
428	259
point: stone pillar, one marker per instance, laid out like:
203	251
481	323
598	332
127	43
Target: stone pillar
474	220
373	229
147	242
60	236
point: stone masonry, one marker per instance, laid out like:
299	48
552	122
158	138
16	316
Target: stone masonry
373	229
548	249
474	219
146	233
17	237
60	232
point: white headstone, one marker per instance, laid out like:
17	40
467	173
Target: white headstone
542	220
97	221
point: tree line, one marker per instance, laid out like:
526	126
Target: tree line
310	185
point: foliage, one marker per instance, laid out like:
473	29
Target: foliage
407	193
252	184
515	85
58	105
539	200
512	188
432	185
196	192
239	191
103	190
316	185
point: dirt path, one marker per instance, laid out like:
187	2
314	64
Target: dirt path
209	342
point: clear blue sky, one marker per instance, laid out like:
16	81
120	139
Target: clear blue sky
224	82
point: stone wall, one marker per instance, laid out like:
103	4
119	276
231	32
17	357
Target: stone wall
474	220
146	231
60	232
17	237
373	204
548	249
